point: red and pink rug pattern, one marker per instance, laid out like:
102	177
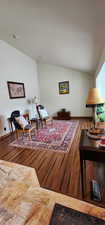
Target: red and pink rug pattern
57	136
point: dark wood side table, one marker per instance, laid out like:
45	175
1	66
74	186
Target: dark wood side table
89	150
63	115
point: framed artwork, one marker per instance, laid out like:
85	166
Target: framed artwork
64	87
16	90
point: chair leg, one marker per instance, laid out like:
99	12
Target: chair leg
41	123
37	124
17	136
23	135
45	122
30	136
52	122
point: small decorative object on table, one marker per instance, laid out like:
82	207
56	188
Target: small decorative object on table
95	191
95	131
93	136
102	142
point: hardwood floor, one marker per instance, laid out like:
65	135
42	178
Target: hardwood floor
56	171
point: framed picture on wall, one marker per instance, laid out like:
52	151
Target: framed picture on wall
16	89
64	87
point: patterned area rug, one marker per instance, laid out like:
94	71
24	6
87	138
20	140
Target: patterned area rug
57	136
65	216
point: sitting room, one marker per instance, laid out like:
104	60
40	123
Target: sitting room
52	114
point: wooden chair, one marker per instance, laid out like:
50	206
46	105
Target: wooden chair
43	114
27	129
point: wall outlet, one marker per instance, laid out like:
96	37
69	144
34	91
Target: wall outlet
5	128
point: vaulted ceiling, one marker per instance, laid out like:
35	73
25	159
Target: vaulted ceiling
70	33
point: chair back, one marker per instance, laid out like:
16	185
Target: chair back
15	114
41	110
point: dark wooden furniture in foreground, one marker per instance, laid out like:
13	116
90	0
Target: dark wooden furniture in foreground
63	115
89	150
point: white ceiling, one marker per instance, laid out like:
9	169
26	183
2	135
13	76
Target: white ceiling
70	33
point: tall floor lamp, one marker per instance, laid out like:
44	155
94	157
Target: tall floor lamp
94	100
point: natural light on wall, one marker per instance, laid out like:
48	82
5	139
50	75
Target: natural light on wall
100	82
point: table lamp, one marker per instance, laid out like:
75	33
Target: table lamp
94	100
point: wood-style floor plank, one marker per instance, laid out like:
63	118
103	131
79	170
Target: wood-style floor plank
56	171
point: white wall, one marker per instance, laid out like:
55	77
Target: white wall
50	75
15	66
